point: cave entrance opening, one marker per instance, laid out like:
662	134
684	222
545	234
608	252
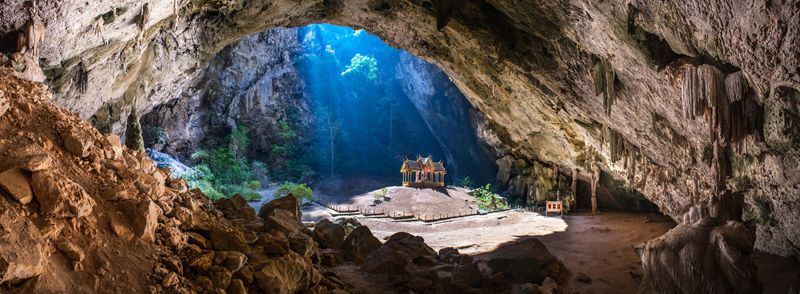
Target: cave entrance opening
330	106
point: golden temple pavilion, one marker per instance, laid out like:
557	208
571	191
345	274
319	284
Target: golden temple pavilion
423	173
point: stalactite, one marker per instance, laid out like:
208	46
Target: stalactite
604	77
736	86
80	78
616	143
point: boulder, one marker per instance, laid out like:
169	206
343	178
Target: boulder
273	242
112	147
304	245
410	245
283	221
4	105
236	287
143	218
15	182
199	240
27	67
174	238
179	184
38	162
234	261
527	260
331	257
246	275
328	234
22	249
425	261
228	239
185	216
288	203
77	142
446	254
417	285
60	196
171	279
221	279
467	274
71	250
348	223
389	261
284	274
173	263
360	244
581	277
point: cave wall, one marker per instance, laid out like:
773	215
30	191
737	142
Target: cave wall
525	66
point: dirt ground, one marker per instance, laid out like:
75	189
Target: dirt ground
596	245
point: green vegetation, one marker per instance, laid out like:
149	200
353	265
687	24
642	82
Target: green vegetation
487	199
158	136
224	171
287	157
364	67
465	182
378	196
301	191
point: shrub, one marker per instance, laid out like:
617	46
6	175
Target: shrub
486	199
301	191
464	182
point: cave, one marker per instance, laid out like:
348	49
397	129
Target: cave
152	146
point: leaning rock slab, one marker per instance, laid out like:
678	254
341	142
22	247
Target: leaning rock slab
228	239
60	196
360	244
16	183
328	234
143	217
38	162
22	252
527	260
283	221
288	203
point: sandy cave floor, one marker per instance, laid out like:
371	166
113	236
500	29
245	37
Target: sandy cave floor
597	245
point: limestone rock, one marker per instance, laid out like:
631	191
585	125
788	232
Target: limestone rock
60	196
22	251
678	261
527	260
236	287
185	216
4	105
116	193
143	217
331	257
273	242
27	67
16	183
234	261
122	230
221	279
360	244
468	274
38	162
289	203
390	261
228	239
411	246
285	274
112	147
304	245
71	250
283	221
328	234
171	279
77	142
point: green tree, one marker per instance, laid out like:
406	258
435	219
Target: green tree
363	66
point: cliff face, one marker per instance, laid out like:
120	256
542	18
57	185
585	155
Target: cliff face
251	83
526	66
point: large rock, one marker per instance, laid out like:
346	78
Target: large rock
285	274
389	261
304	245
328	234
700	256
273	242
77	142
37	162
112	147
71	250
360	244
27	67
410	245
284	221
22	249
228	239
15	182
143	218
468	274
288	203
60	196
527	260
